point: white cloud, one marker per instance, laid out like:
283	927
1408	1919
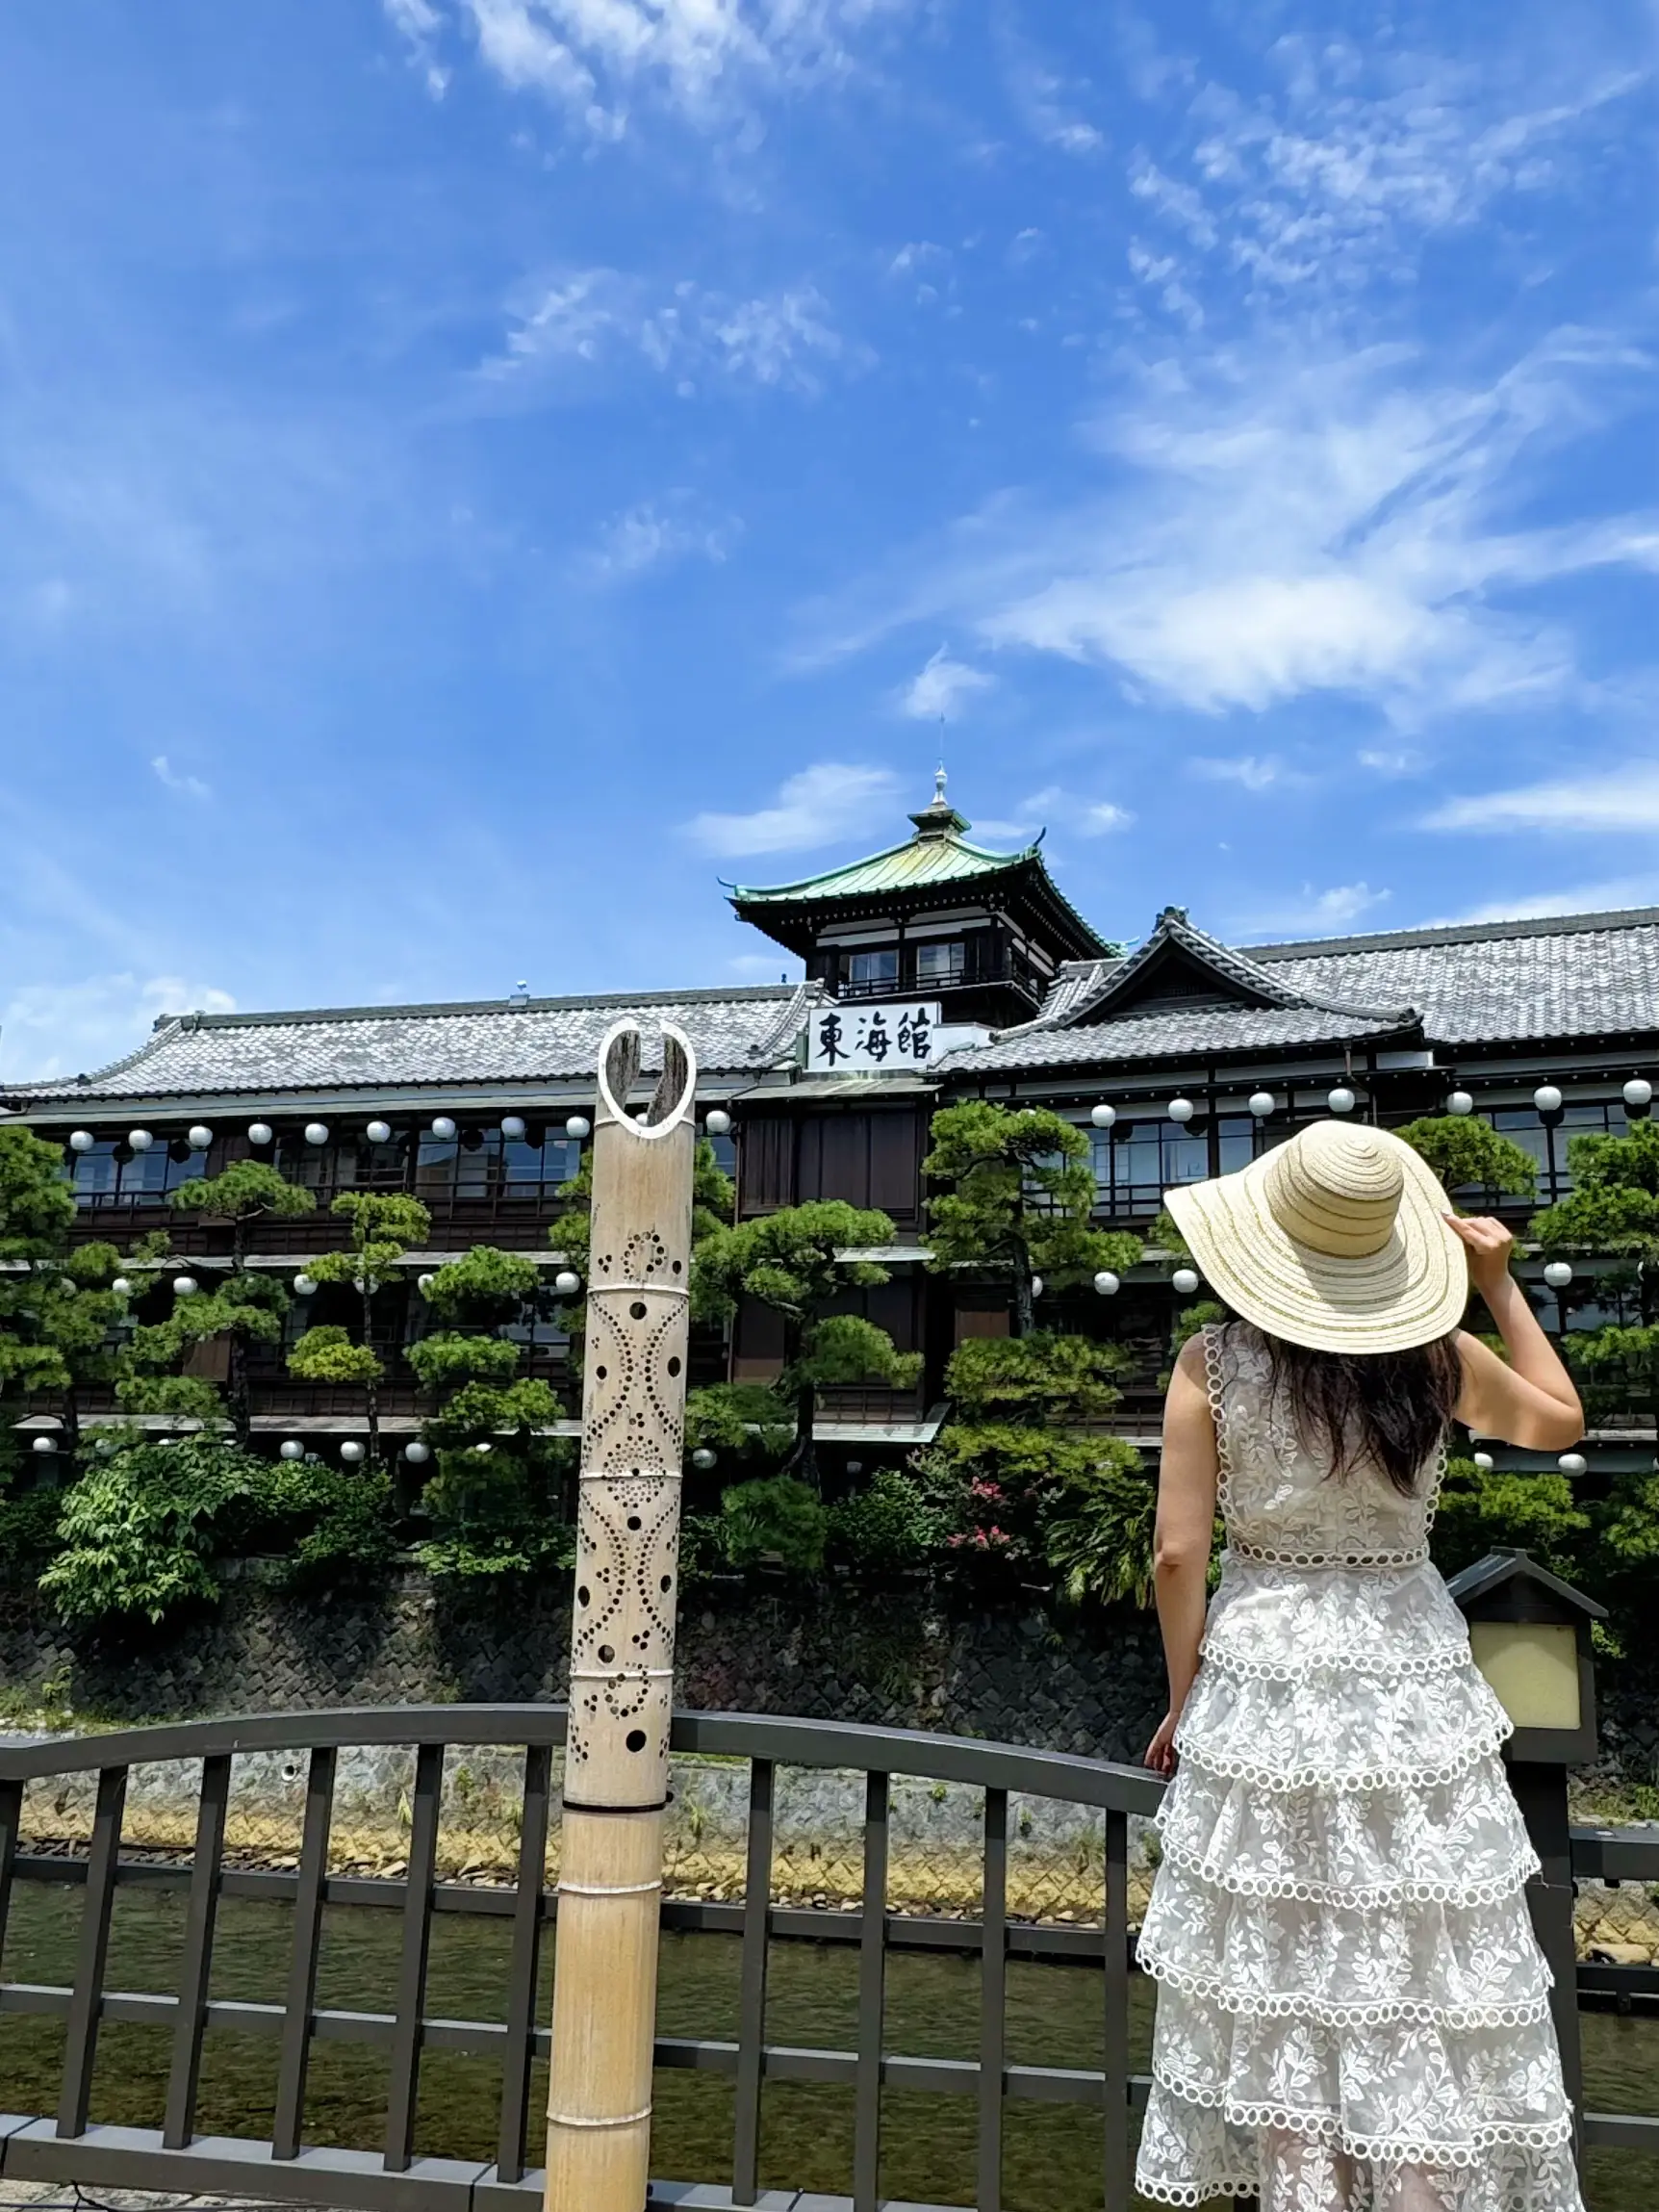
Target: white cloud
1056	808
1389	761
649	537
1103	815
417	22
1264	530
814	808
782	340
1047	106
1619	892
1255	773
593	56
1332	176
187	787
72	1028
938	692
1318	914
1618	801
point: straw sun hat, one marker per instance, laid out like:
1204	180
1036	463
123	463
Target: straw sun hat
1337	1240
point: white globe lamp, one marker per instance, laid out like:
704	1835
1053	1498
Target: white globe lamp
140	1139
1574	1463
443	1129
1340	1100
351	1452
259	1132
1181	1110
704	1458
1638	1094
1037	1286
1103	1115
514	1128
567	1282
1185	1280
81	1140
1459	1102
45	1444
417	1454
482	1450
1261	1103
1558	1273
1107	1283
104	1448
184	1286
304	1285
578	1126
1546	1098
316	1132
378	1132
199	1135
293	1449
424	1283
121	1287
718	1123
1485	1461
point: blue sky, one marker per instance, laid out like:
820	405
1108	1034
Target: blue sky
473	472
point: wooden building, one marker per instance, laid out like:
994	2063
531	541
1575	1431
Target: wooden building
935	970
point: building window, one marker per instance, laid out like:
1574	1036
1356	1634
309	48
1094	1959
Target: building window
1235	1141
724	1154
873	970
941	962
1137	1161
112	1174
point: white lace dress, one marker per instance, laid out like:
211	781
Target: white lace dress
1353	2013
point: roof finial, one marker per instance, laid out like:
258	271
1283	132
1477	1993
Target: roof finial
939	784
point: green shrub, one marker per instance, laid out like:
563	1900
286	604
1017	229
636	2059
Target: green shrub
888	1526
1097	1528
140	1530
776	1522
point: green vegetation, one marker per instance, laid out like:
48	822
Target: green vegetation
1022	1195
790	1261
383	1227
1467	1153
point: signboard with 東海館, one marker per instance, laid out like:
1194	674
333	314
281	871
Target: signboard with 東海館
854	1040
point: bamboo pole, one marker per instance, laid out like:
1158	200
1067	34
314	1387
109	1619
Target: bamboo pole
621	1636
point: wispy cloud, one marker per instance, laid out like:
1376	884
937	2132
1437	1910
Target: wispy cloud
1329	179
1325	913
938	692
1265	531
1389	760
418	23
652	536
1048	105
1056	808
53	1029
187	787
1256	773
594	58
1608	897
1610	802
822	803
783	340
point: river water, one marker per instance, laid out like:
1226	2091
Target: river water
1053	2019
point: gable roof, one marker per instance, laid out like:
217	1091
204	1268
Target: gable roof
1482	983
375	1047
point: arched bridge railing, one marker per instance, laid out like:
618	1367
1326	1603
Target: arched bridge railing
175	1821
69	1816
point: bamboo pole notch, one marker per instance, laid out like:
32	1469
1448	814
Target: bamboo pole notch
621	1637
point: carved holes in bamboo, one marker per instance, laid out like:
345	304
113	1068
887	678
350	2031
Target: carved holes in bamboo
635	1418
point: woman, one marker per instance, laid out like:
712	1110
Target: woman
1353	2012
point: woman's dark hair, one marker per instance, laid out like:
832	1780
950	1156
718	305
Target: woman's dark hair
1387	1409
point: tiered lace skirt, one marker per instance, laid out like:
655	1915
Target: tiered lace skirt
1353	2013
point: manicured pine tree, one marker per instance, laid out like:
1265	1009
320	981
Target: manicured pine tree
794	1262
384	1225
1020	1203
57	1307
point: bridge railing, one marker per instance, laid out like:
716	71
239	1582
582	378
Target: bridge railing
62	2143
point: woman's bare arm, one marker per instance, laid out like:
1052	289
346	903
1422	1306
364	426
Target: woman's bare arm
1530	1400
1186	1479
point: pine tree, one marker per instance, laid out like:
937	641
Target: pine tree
1021	1201
384	1224
58	1311
792	1262
1467	1153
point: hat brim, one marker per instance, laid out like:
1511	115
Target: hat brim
1411	1292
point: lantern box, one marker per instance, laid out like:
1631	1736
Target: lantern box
1530	1635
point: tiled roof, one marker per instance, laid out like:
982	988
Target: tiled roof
1485	983
917	865
1496	984
1236	974
376	1047
1196	1031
